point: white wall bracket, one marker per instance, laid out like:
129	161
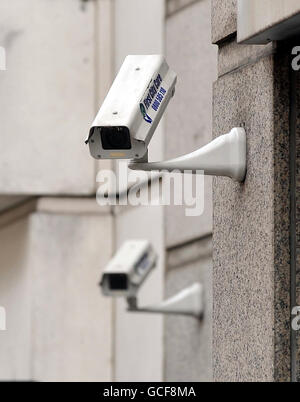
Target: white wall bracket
224	156
189	302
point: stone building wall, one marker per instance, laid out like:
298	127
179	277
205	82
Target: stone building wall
251	225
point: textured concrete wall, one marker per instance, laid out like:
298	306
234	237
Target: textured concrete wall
188	240
251	261
224	19
295	210
297	226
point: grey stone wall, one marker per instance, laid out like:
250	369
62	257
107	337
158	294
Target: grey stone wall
251	221
298	221
224	19
295	209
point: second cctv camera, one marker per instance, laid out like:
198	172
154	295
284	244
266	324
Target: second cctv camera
128	269
132	109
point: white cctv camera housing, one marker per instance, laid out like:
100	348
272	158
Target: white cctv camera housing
132	109
128	269
131	112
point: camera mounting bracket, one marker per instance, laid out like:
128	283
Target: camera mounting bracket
189	301
224	156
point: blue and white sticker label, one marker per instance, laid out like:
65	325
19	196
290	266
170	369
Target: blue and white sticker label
153	98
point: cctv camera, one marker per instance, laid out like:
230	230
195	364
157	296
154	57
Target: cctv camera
132	109
131	112
128	269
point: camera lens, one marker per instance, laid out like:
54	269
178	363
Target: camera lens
118	282
115	138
